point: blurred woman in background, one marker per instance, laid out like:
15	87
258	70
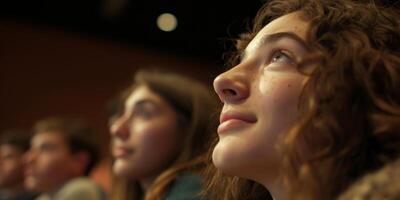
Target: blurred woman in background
160	136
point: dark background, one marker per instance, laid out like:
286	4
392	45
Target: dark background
202	25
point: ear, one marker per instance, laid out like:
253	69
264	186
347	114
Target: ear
81	161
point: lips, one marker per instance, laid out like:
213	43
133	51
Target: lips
234	120
29	172
121	152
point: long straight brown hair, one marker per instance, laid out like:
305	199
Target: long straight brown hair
349	122
196	106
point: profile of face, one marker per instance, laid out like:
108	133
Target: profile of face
146	137
260	97
49	162
11	166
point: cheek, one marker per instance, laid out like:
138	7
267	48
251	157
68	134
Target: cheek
278	96
15	166
11	172
156	145
10	167
156	138
52	165
6	166
281	90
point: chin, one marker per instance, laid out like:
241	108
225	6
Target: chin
222	161
119	169
122	169
231	158
31	184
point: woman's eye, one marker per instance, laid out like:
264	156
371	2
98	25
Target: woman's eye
281	57
143	113
47	147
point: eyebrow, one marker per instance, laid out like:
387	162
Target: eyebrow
275	37
143	102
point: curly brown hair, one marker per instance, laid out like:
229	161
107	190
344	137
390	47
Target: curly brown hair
349	122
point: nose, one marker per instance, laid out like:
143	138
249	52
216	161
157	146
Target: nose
233	85
119	127
29	157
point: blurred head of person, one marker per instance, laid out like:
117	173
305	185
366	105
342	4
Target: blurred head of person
13	145
161	130
61	149
312	102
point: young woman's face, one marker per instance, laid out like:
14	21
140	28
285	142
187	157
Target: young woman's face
260	97
145	137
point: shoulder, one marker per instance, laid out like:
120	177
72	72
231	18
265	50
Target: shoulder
26	195
185	187
80	188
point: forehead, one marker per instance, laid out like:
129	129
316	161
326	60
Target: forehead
292	22
140	93
48	137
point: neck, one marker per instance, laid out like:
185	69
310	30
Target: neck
145	183
276	188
